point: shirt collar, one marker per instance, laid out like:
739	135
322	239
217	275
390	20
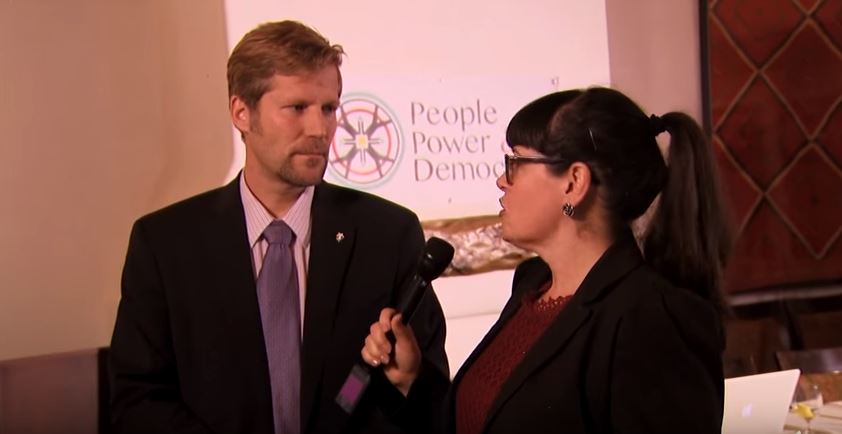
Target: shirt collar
258	217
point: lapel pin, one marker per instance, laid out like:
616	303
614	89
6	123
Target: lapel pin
339	237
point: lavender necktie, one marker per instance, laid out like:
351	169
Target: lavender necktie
277	292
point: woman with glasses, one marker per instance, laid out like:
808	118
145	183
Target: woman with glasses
604	332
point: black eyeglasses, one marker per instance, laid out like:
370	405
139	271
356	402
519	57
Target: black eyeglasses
511	162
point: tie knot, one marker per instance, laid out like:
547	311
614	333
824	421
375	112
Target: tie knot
278	233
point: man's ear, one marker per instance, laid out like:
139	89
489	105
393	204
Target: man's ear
240	114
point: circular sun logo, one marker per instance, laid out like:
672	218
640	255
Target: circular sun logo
368	143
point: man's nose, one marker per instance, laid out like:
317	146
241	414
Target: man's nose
317	124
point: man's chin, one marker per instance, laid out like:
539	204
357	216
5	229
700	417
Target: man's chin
305	178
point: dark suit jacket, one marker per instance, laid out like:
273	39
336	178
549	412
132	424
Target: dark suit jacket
187	353
629	353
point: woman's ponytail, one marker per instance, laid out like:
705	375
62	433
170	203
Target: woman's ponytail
689	237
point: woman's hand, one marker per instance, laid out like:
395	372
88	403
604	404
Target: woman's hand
401	368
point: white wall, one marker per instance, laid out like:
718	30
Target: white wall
654	52
108	110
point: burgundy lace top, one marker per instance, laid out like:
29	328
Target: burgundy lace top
482	381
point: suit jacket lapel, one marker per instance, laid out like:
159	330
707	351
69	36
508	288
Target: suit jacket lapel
568	322
228	242
532	281
529	282
331	244
619	260
229	283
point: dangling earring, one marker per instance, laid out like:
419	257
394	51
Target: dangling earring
568	209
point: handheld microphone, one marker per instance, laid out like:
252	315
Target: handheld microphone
434	260
436	257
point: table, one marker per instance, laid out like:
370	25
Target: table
827	421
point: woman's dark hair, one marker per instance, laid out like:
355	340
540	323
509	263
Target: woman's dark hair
688	239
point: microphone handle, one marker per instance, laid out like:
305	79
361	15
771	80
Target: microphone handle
360	376
411	297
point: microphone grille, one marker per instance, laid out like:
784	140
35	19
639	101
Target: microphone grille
437	256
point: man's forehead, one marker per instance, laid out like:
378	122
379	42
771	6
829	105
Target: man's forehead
305	84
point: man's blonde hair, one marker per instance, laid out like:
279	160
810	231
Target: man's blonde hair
283	47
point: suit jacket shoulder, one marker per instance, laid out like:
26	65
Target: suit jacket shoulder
366	208
187	212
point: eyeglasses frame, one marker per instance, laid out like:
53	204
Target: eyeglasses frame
509	160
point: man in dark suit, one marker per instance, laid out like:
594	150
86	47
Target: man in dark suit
195	347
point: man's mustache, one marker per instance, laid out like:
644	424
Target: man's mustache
314	147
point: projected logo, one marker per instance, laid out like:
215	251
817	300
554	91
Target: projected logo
368	144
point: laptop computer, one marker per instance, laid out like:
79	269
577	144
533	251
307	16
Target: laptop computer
758	404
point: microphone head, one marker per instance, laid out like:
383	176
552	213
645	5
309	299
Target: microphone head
437	256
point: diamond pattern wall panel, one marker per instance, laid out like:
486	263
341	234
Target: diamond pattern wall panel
831	136
730	72
761	133
784	260
764	253
829	17
813	213
808	73
758	27
742	192
776	107
808	4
